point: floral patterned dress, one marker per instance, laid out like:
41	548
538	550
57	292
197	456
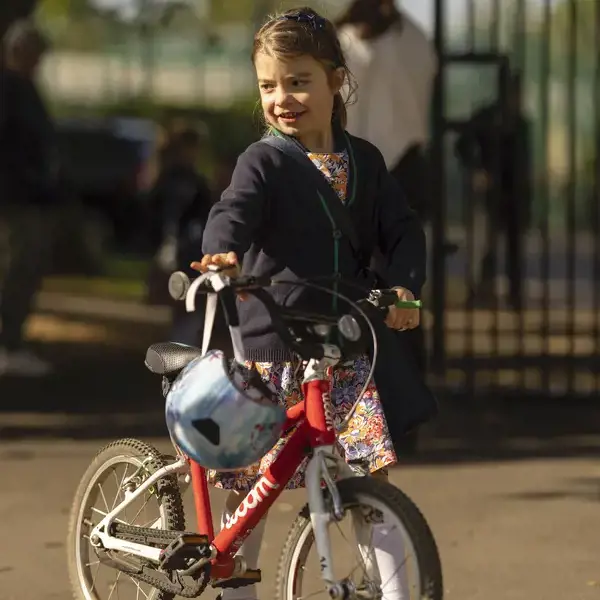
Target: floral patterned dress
366	436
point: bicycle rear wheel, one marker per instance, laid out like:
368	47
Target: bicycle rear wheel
368	499
101	489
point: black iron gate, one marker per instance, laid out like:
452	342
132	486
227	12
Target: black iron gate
516	155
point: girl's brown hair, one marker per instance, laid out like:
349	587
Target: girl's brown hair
302	31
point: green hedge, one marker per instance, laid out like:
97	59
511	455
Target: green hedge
230	129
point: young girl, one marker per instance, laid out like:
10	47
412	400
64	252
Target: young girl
275	220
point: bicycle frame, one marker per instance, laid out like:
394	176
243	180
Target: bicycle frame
314	436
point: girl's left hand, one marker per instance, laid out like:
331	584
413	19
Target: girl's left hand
402	319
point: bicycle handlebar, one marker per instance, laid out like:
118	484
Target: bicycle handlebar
287	322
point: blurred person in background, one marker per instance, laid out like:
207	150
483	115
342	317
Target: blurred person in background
494	148
394	65
178	209
30	191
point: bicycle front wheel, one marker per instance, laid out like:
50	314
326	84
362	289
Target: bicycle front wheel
417	567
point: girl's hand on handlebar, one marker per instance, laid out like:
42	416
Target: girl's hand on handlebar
226	261
402	319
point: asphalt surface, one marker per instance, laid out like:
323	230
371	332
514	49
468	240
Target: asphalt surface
525	530
511	488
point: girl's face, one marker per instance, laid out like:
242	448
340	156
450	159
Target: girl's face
297	97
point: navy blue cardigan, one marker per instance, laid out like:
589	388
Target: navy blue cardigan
274	217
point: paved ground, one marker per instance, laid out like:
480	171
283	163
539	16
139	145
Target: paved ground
511	487
525	530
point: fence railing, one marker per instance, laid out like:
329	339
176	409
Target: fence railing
517	308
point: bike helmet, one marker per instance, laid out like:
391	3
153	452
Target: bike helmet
219	419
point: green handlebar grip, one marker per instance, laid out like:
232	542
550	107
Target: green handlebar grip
408	304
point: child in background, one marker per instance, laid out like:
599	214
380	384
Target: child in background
178	209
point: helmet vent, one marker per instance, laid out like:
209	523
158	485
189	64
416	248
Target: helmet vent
209	429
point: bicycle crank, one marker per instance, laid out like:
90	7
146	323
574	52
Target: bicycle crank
184	568
170	582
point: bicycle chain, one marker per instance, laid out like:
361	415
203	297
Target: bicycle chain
145	535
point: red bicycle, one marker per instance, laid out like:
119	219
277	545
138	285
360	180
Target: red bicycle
114	546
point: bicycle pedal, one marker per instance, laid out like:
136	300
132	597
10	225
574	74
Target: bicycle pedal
186	547
248	578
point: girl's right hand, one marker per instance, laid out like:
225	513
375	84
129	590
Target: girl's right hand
228	259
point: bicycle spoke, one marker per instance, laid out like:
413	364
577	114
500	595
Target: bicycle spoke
97	510
103	497
139	511
139	589
95	575
113	587
147	524
394	573
119	485
360	562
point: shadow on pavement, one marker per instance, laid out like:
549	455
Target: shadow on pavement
98	389
500	428
103	390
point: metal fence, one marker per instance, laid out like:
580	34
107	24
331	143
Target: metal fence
516	308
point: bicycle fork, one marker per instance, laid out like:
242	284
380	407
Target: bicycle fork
323	513
323	461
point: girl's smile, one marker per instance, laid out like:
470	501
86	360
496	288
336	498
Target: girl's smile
290	118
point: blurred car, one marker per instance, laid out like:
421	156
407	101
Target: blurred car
107	166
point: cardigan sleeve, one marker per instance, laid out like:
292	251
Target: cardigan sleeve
235	222
401	236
